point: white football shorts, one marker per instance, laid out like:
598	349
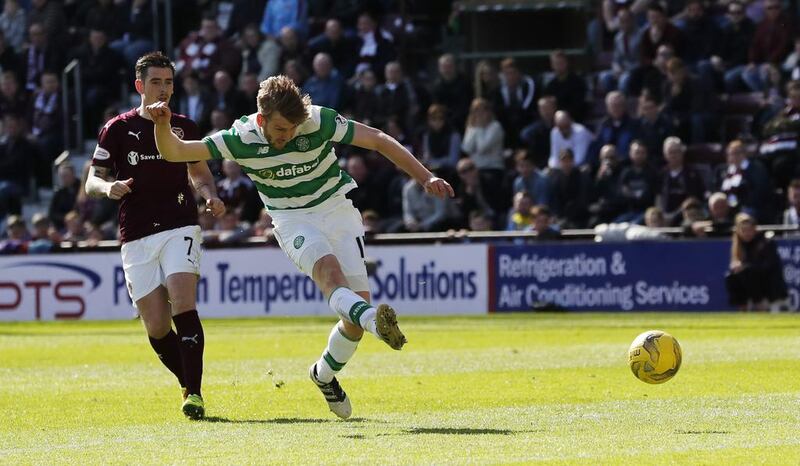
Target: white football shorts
148	261
306	236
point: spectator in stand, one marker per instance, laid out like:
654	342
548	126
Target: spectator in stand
9	60
520	218
567	134
566	86
755	278
678	181
226	97
617	128
569	191
259	56
206	51
13	99
136	38
637	185
691	213
779	147
15	168
654	125
542	224
249	86
422	212
650	76
279	14
720	223
50	14
483	141
689	102
16	237
325	86
44	238
13	24
101	67
536	136
791	216
370	192
47	118
74	230
771	43
626	54
659	31
194	102
474	193
513	101
39	57
729	60
486	81
17	148
104	15
342	48
480	221
529	179
291	46
440	142
65	197
376	49
607	201
365	105
746	183
234	189
452	89
397	96
701	33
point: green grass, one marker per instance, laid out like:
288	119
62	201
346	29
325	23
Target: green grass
514	388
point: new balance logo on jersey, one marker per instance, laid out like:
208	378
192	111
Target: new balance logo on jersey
192	339
263	149
136	135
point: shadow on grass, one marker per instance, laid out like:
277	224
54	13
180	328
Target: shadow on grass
280	420
459	431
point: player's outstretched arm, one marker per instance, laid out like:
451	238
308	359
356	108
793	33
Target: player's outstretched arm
169	146
374	139
203	182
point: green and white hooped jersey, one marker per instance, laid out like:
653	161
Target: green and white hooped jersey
303	174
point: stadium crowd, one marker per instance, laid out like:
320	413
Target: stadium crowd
685	114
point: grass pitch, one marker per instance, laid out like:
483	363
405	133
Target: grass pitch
511	388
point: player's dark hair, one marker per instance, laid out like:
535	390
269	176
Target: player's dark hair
280	94
152	60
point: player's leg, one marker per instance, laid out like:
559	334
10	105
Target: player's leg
180	262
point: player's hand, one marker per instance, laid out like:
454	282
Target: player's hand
438	187
118	189
215	206
159	112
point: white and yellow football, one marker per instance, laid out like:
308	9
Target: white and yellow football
654	356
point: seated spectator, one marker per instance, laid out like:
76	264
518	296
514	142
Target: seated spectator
529	179
486	81
475	192
542	224
569	192
397	96
659	31
13	99
136	35
536	136
755	278
483	139
422	212
654	125
100	75
480	221
791	216
691	213
342	48
376	49
15	166
721	222
206	51
44	238
452	90
701	34
279	14
13	23
194	102
780	137
16	237
617	128
513	101
567	87
607	201
234	189
9	60
365	104
731	57
226	97
626	54
259	56
569	135
41	55
47	121
74	229
771	43
370	193
520	218
249	87
65	197
637	185
689	102
746	183
441	143
678	181
325	86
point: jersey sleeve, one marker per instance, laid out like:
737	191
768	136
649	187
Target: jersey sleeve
343	128
107	147
217	145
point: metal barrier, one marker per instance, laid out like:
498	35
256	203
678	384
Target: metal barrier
74	69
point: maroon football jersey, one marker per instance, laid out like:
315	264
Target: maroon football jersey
160	197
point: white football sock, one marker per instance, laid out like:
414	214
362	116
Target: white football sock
340	349
352	308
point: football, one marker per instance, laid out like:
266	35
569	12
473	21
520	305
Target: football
654	357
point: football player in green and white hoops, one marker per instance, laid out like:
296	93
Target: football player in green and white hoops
286	148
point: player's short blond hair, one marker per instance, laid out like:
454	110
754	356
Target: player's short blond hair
280	94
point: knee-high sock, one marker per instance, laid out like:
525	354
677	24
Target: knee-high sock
340	349
353	308
192	342
168	351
